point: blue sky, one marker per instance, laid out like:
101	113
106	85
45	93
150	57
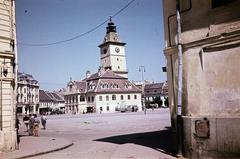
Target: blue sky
140	25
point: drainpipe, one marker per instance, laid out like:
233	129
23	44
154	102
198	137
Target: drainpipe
180	82
168	21
15	63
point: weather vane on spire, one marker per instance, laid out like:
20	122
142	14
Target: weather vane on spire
110	18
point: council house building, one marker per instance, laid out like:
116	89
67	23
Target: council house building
109	89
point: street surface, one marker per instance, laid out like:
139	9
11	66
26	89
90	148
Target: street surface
100	136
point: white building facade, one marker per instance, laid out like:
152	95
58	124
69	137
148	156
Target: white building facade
27	94
106	92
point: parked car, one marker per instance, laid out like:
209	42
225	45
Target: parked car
57	111
129	108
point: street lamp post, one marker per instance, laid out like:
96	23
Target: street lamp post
142	70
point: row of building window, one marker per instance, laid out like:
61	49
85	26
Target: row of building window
114	97
26	89
21	99
114	86
91	98
106	85
75	99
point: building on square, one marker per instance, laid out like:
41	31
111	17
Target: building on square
51	102
155	93
27	94
101	92
109	89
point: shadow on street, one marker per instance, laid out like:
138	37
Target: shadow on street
162	140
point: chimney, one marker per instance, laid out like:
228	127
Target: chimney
88	74
100	71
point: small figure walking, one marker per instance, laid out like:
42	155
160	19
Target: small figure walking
31	122
44	120
17	128
26	121
35	125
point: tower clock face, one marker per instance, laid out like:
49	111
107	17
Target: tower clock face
117	49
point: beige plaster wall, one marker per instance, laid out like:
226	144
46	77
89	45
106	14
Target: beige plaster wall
211	86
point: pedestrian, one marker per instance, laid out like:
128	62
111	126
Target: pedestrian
17	128
31	122
44	120
36	125
153	107
26	121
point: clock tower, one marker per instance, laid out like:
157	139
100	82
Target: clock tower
112	52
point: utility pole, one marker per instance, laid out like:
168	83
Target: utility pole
142	70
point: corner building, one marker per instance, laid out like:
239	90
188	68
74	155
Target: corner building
8	75
211	86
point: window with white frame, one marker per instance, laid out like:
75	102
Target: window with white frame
113	97
100	98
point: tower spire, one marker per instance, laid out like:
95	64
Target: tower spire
112	51
111	27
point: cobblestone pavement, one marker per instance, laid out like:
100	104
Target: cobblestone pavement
111	135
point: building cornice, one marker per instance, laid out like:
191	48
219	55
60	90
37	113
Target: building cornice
7	54
210	41
113	43
222	38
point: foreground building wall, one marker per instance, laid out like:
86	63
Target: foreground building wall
211	85
7	75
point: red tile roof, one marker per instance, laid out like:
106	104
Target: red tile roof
45	96
107	82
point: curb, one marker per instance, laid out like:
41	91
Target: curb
46	152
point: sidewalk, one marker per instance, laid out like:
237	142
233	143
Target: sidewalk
33	146
125	151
